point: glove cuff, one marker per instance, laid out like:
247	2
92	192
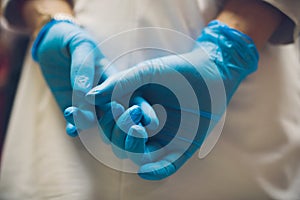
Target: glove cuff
52	20
230	47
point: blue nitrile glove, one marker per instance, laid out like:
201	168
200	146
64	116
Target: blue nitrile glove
71	63
112	118
194	88
69	59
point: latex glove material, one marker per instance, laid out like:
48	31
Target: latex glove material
71	63
221	60
69	60
112	117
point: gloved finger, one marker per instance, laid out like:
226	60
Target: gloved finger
71	130
136	148
160	169
140	149
157	171
149	119
136	139
101	94
130	117
84	56
167	162
83	119
107	117
121	84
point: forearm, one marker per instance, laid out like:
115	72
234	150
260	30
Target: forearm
252	17
37	12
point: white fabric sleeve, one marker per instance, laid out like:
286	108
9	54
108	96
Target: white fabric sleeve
289	29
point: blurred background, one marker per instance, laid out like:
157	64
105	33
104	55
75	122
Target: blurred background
12	51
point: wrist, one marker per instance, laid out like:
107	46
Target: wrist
255	18
56	19
39	12
229	47
49	20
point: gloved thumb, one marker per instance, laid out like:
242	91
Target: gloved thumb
120	85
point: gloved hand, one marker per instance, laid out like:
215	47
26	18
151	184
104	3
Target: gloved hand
70	62
113	118
194	89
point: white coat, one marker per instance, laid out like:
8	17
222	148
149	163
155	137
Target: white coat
256	157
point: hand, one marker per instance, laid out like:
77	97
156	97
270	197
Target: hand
112	117
221	59
70	62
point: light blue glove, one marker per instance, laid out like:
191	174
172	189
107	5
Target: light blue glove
72	64
113	118
221	59
69	59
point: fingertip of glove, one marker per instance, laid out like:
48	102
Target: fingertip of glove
94	91
136	113
71	130
136	139
153	124
69	111
157	171
93	96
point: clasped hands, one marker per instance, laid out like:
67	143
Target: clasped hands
192	89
